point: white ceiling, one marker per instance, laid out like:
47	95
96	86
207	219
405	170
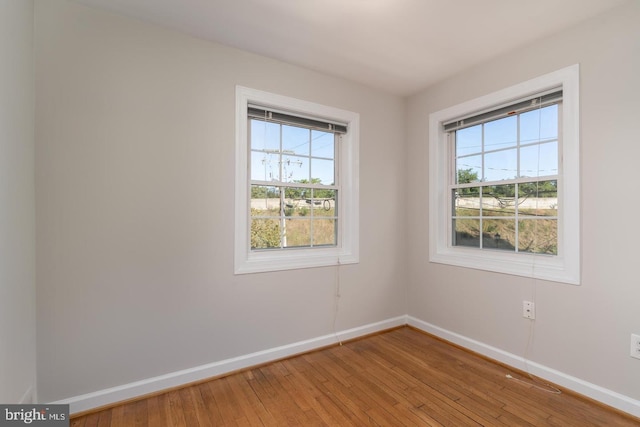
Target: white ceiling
400	46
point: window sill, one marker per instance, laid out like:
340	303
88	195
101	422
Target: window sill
291	259
544	267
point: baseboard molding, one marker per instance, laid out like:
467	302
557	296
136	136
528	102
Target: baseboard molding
132	390
603	395
87	402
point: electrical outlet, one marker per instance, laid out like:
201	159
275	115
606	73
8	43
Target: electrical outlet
635	346
528	310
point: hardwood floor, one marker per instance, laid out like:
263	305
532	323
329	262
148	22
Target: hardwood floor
401	377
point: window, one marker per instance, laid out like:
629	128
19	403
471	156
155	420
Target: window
296	183
504	189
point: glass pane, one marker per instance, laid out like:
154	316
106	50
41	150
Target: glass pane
538	236
324	232
549	122
323	203
265	136
265	201
548	190
469	140
538	198
499	234
499	200
322	172
322	144
297	232
264	166
501	133
265	233
466	202
295	140
501	165
468	169
295	169
530	127
294	200
539	124
539	160
301	209
466	232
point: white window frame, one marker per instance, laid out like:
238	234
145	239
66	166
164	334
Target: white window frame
346	250
564	267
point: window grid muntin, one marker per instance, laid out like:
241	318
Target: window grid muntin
283	185
481	184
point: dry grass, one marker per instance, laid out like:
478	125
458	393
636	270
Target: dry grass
535	234
304	226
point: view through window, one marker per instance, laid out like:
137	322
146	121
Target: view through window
294	182
504	190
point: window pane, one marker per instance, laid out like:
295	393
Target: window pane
295	169
322	144
324	232
468	169
466	232
323	203
294	199
539	160
265	166
549	122
501	133
539	124
549	190
466	201
501	165
297	232
295	140
539	198
538	236
265	201
469	140
322	171
265	233
498	200
265	136
499	234
530	127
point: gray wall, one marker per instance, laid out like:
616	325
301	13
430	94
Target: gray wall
134	154
584	330
135	164
17	204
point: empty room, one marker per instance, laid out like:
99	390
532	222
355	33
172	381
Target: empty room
271	212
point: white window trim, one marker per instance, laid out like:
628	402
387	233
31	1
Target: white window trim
565	267
347	248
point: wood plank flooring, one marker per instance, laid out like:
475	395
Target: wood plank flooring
401	377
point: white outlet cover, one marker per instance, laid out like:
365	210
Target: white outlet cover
528	310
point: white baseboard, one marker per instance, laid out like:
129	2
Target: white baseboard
112	395
608	397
